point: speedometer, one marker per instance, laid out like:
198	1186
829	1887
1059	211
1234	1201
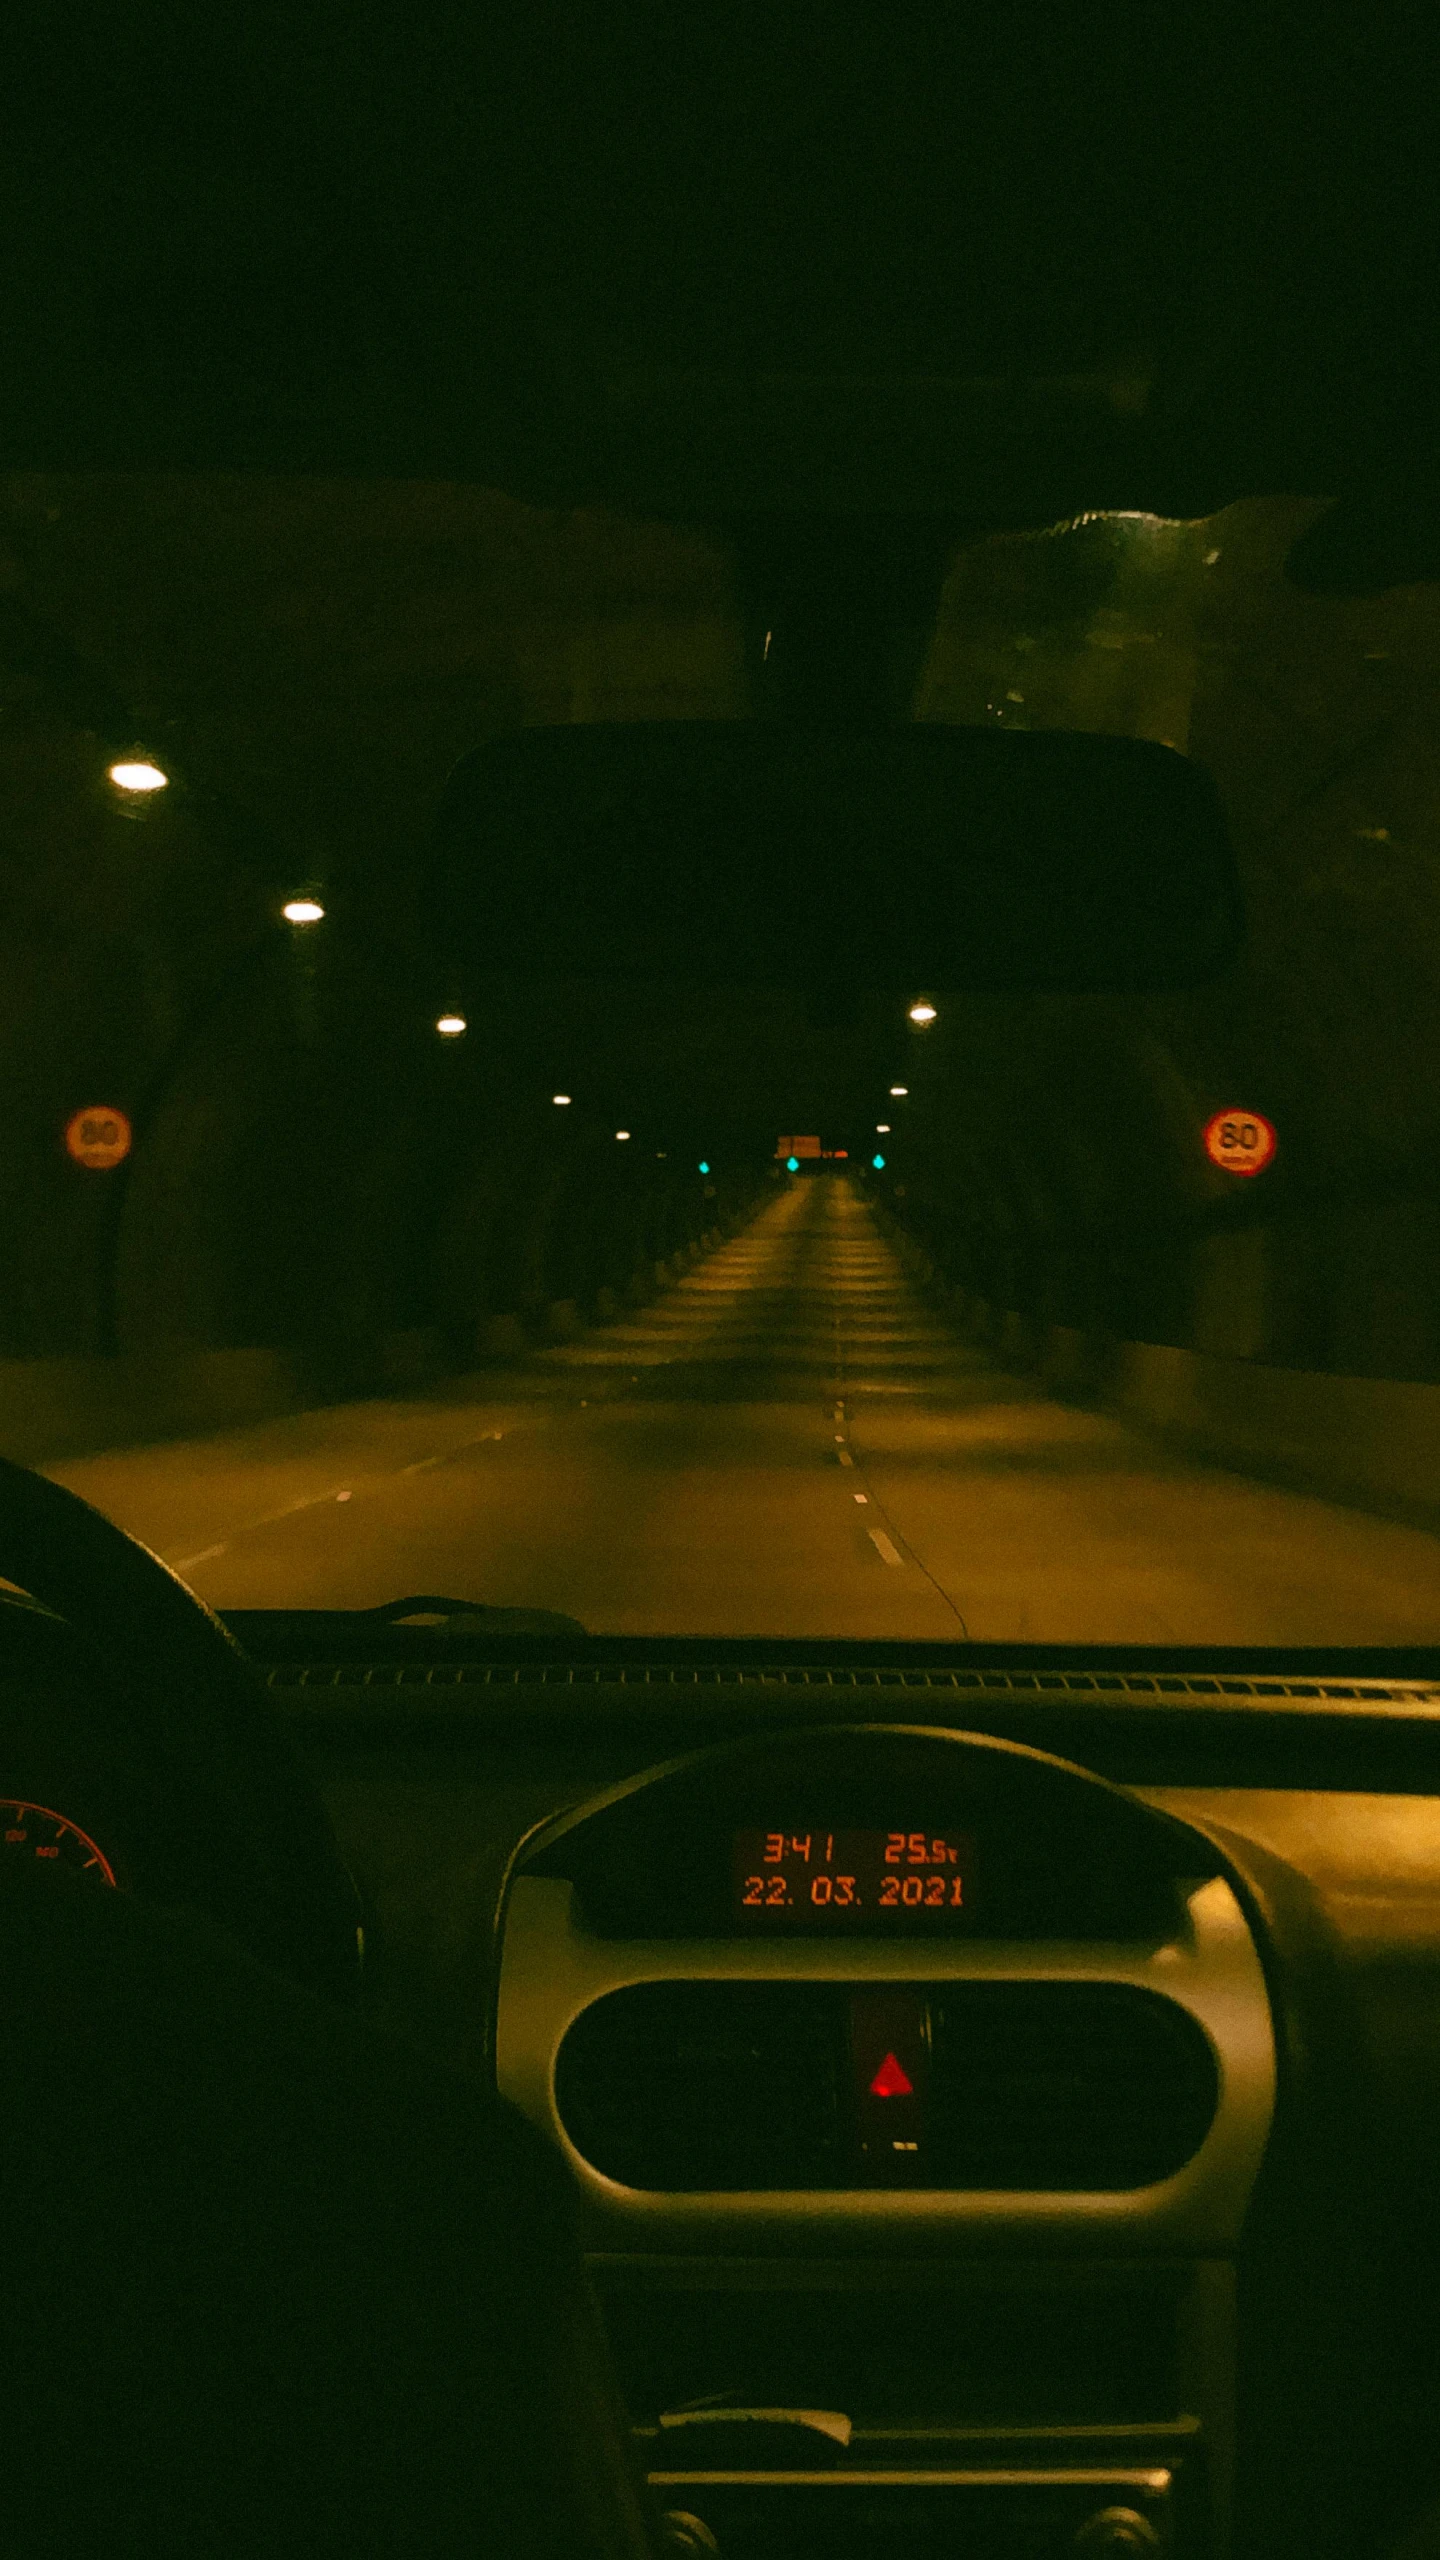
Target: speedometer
35	1831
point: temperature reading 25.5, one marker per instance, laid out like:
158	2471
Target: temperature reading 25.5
920	1888
815	1876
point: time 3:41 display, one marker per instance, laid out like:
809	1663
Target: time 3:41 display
817	1871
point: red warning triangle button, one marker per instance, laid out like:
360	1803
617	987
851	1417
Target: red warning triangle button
890	2081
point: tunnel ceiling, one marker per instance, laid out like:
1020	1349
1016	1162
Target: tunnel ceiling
619	256
311	656
512	324
511	331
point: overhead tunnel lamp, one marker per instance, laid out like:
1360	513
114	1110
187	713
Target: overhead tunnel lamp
622	1134
137	779
898	1089
137	774
882	1128
137	784
303	911
451	1026
560	1100
922	1013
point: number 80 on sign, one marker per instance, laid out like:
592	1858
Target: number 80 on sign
1240	1141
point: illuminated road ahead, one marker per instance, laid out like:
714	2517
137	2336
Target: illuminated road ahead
789	1443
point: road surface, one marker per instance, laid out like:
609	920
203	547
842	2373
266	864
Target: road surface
791	1442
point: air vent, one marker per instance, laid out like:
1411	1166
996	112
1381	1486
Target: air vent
742	2086
1064	2086
1050	1685
709	2085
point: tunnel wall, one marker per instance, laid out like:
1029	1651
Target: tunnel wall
1369	1441
1048	1164
322	1203
74	1407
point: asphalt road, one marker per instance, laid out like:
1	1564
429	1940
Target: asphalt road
790	1442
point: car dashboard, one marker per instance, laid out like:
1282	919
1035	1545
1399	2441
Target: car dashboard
999	2089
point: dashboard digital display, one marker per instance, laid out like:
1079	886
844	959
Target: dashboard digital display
812	1877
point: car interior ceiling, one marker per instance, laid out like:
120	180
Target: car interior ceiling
484	2119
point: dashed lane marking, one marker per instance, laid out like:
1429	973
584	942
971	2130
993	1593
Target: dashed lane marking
419	1466
885	1546
844	1457
310	1503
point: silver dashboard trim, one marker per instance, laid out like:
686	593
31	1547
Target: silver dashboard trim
1156	2483
552	1968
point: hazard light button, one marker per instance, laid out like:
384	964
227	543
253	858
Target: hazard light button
890	2059
892	2080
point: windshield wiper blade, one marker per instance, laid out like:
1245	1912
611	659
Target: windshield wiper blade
471	1617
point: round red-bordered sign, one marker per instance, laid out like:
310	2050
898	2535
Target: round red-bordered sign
1240	1141
99	1137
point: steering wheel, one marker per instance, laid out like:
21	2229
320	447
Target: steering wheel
343	2285
193	1701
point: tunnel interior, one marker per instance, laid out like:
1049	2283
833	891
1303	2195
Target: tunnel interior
317	1173
305	1145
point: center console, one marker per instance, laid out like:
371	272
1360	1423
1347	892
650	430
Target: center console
914	2086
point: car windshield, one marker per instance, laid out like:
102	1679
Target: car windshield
337	1273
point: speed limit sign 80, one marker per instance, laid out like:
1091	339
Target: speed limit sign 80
98	1137
1240	1141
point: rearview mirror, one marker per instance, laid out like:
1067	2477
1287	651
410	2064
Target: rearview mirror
751	854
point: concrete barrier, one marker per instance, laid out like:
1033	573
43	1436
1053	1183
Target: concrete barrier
1371	1441
1073	1365
1017	1347
502	1337
412	1357
71	1408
